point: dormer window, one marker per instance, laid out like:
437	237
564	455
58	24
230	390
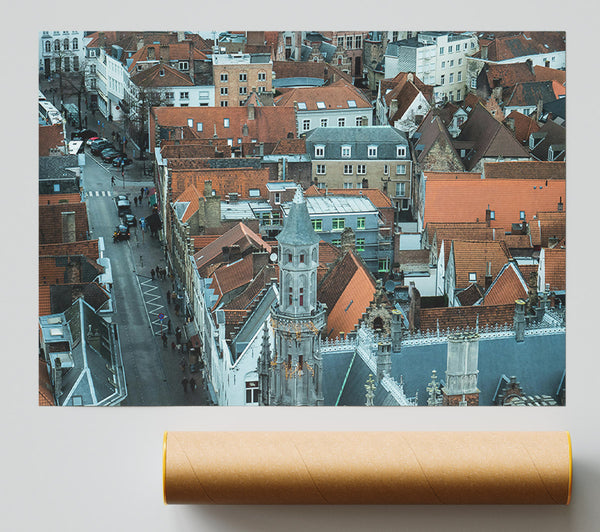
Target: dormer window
472	277
372	152
400	151
184	65
351	103
522	215
346	151
321	105
161	72
319	151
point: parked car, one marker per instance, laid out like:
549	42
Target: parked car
121	233
109	154
98	145
117	161
84	134
129	220
123	207
92	139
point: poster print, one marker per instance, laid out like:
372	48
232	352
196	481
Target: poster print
302	218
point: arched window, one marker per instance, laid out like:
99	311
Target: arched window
378	324
314	255
290	294
56	45
66	44
301	297
48	46
75	44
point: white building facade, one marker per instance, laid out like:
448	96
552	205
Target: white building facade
61	51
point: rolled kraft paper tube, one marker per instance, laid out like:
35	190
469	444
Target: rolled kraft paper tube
367	467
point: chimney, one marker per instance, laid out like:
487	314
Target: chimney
560	205
529	63
488	275
180	36
462	370
396	330
410	77
393	107
519	320
151	53
208	188
57	370
235	253
348	240
510	122
164	53
384	359
250	111
260	259
245	130
497	93
68	227
488	216
539	109
414	310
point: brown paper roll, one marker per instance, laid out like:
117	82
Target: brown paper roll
367	467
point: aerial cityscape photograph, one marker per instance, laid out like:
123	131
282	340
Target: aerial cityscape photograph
302	218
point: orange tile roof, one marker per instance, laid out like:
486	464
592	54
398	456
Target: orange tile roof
347	290
525	170
177	51
524	126
264	278
555	268
474	257
239	234
50	138
508	74
460	317
161	75
44	303
200	241
231	276
224	180
335	96
547	224
454	197
290	146
508	286
516	241
527	269
192	196
89	248
50	229
270	124
54	199
545	73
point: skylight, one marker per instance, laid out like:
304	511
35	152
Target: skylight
301	105
320	105
351	103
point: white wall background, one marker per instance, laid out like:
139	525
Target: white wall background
100	469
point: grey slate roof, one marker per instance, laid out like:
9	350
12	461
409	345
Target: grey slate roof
51	167
386	138
556	107
538	363
297	227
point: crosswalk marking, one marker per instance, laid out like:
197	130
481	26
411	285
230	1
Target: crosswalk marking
97	193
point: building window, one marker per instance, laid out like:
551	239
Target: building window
349	42
492	215
261	89
400	151
358	41
472	277
67	64
224	77
190	122
360	244
459	61
348	170
243	76
386	169
243	90
443	64
47	46
301	258
400	189
347	185
359	121
522	215
66	44
277	198
320	169
361	169
290	257
340	41
56	45
383	265
301	297
341	122
317	224
224	91
346	151
451	96
451	63
184	65
458	95
337	224
442	79
305	125
225	122
441	50
336	242
400	169
199	126
262	76
184	95
252	392
473	83
319	151
76	63
323	122
290	295
451	80
75	44
459	76
372	151
360	222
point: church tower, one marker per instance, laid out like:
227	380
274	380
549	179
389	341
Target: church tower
297	317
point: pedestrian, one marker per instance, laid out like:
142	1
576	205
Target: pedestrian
152	273
140	200
164	339
184	383
148	201
178	336
168	297
112	180
158	272
135	201
122	171
141	192
182	365
146	190
169	326
173	346
192	384
113	136
177	307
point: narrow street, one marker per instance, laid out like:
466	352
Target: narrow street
153	372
